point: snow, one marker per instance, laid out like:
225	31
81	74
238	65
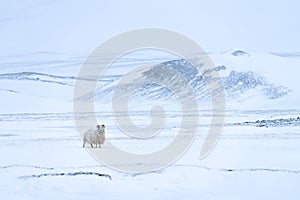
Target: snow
43	46
38	135
240	166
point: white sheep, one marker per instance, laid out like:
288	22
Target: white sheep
94	136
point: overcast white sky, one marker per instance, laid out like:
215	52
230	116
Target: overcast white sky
79	26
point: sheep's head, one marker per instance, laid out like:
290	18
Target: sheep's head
101	128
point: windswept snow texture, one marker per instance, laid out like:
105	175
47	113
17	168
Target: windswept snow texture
238	85
33	76
257	156
272	122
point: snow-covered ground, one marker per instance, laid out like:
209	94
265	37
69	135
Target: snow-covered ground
42	156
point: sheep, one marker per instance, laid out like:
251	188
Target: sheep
94	136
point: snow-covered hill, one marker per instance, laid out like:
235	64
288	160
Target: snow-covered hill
251	80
